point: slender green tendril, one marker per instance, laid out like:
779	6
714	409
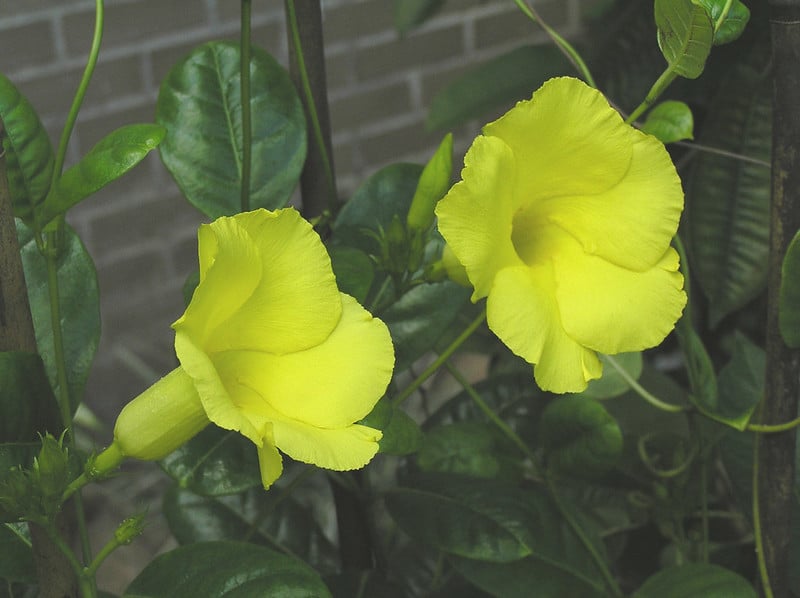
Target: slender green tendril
641	391
763	571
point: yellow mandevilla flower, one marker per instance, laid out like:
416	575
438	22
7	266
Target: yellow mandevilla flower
270	348
563	219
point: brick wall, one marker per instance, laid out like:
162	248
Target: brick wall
139	231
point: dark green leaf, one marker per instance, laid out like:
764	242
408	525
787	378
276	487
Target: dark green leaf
728	200
216	462
15	546
741	383
696	579
80	307
420	317
702	378
226	569
29	155
469	448
499	82
26	399
353	269
579	437
411	13
685	35
612	383
363	583
402	436
200	106
260	517
112	157
669	122
734	23
789	306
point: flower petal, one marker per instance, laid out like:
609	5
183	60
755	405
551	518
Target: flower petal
522	311
331	385
230	269
340	449
633	223
611	309
566	139
475	216
297	304
270	462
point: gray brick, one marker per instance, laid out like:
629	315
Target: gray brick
398	144
506	27
92	130
356	20
26	46
361	108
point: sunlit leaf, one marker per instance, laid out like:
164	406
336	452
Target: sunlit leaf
735	21
669	122
685	35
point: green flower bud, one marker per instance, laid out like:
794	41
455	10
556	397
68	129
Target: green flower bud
433	184
129	529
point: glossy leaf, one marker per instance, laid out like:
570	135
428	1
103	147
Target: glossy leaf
354	271
29	154
112	157
216	462
409	14
433	184
265	518
226	569
579	437
80	307
199	104
727	208
685	35
499	82
26	399
735	21
669	122
15	546
741	383
789	303
420	317
612	384
696	579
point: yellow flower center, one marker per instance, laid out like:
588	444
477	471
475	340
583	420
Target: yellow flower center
534	236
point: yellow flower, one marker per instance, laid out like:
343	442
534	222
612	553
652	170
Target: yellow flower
270	348
563	219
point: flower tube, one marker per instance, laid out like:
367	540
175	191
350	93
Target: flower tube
563	219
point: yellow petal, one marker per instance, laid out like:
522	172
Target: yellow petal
476	214
297	304
523	313
567	141
230	269
270	462
217	402
632	223
611	309
340	449
331	385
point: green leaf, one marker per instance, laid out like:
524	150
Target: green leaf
702	377
728	200
216	462
112	157
612	384
26	399
402	436
79	303
579	437
669	122
685	35
15	546
696	579
363	583
470	448
200	106
489	522
420	317
789	302
29	154
499	82
354	271
264	518
433	184
408	14
741	383
217	569
735	21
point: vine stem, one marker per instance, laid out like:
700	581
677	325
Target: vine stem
244	81
440	360
641	391
763	570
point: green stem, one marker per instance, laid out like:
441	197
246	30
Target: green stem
476	397
722	16
587	544
773	428
103	553
319	138
566	48
661	84
704	505
51	258
91	62
440	360
85	582
244	80
762	561
641	391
